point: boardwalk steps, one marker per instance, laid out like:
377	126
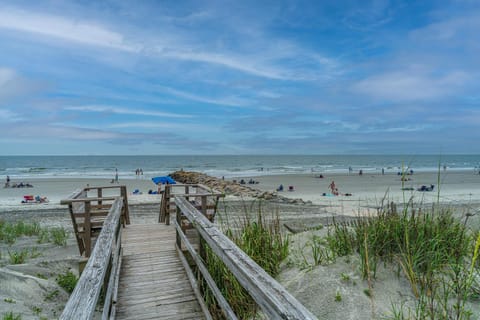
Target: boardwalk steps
153	283
144	271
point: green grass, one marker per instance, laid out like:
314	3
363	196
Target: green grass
18	257
59	236
67	281
11	316
10	232
52	295
264	242
434	251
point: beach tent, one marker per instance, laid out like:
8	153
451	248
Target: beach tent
163	180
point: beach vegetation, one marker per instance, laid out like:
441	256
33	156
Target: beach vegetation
338	296
12	316
263	241
52	295
11	231
433	249
9	300
18	257
37	310
59	236
67	281
41	276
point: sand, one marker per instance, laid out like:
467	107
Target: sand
315	287
369	190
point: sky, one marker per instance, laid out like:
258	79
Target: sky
239	77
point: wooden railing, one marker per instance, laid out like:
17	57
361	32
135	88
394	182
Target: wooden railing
102	271
273	299
202	197
89	213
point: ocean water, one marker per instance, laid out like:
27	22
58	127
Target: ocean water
32	167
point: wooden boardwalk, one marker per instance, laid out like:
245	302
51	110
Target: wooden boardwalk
153	283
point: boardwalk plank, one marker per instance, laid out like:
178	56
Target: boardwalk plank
153	283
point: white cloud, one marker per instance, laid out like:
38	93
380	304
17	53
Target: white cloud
62	28
411	85
224	101
9	116
264	59
127	111
459	27
12	85
6	75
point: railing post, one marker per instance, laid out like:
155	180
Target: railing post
167	204
87	229
125	212
99	195
179	223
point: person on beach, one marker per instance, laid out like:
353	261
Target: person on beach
7	184
116	175
334	188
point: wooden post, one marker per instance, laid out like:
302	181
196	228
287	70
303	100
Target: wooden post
125	212
87	230
161	215
167	204
99	195
179	222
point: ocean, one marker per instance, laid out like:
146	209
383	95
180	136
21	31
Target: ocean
33	167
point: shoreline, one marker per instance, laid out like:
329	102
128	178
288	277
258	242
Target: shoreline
364	192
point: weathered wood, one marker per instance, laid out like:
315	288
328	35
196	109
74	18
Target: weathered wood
88	214
84	297
153	283
274	300
113	280
95	199
195	191
226	309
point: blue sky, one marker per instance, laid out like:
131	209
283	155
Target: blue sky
239	77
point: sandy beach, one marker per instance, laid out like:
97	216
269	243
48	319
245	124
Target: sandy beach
368	191
28	284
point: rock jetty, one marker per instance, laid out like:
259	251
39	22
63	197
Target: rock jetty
230	187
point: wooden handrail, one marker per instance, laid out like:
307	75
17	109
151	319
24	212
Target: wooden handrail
106	256
190	191
272	297
67	201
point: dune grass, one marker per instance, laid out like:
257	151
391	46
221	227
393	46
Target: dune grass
263	241
10	232
434	250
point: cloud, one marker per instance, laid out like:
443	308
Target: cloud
225	101
126	111
14	86
9	116
460	27
62	28
267	61
411	85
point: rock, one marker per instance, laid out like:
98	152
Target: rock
230	187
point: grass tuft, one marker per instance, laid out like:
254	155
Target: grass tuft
263	241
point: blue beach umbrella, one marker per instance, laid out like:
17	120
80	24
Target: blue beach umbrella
163	180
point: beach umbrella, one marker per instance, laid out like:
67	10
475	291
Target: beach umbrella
163	180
